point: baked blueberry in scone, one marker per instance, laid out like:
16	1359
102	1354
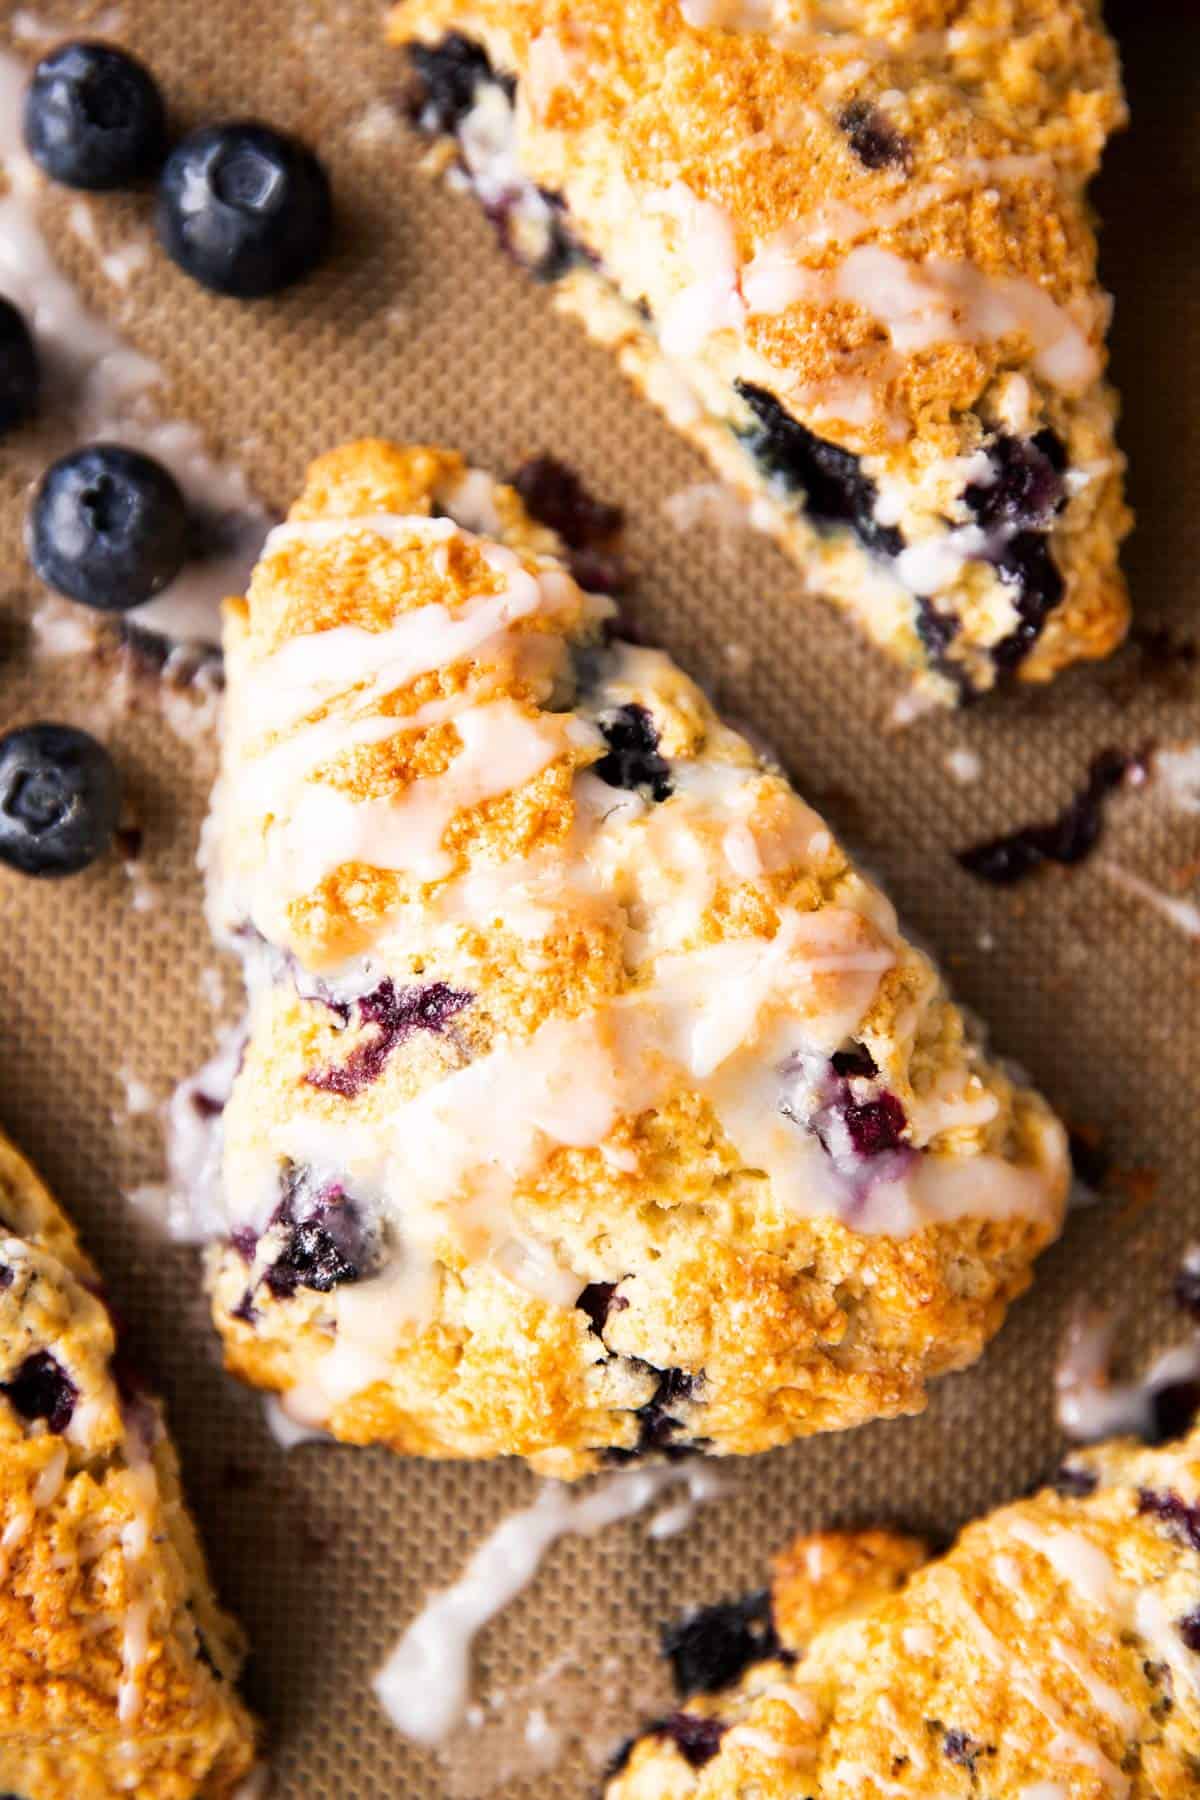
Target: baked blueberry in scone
592	1103
117	1666
845	246
1052	1654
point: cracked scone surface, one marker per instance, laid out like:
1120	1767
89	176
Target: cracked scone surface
846	248
592	1104
118	1667
1052	1654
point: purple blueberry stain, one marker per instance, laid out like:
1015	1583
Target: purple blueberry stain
1189	1630
396	1014
42	1389
959	1748
1067	839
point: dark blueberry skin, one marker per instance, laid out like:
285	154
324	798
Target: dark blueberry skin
632	759
446	77
597	1300
94	117
710	1648
42	1389
1075	1482
555	496
20	376
1189	1630
397	1015
59	800
696	1739
835	490
1187	1289
1068	839
873	138
109	527
244	209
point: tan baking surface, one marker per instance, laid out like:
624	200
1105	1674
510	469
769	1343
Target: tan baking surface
421	329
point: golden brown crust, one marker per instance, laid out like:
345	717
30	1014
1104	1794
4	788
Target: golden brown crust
623	1284
117	1667
703	166
1048	1656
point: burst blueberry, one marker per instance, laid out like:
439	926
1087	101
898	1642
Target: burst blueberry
94	117
42	1390
830	479
244	209
59	799
109	527
714	1645
632	759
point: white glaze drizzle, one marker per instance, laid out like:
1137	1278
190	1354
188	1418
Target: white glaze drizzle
424	1684
1183	914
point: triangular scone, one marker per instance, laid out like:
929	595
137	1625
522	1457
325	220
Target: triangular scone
1052	1654
118	1666
845	246
592	1102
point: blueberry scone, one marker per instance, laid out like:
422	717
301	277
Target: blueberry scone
1052	1654
845	246
592	1103
117	1667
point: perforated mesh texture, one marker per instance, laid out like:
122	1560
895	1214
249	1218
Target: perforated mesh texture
419	329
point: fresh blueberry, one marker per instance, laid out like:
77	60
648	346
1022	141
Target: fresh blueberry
42	1389
59	800
244	209
712	1646
632	759
19	375
94	117
109	527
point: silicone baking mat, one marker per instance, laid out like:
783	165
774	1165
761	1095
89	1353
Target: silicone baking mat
420	329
